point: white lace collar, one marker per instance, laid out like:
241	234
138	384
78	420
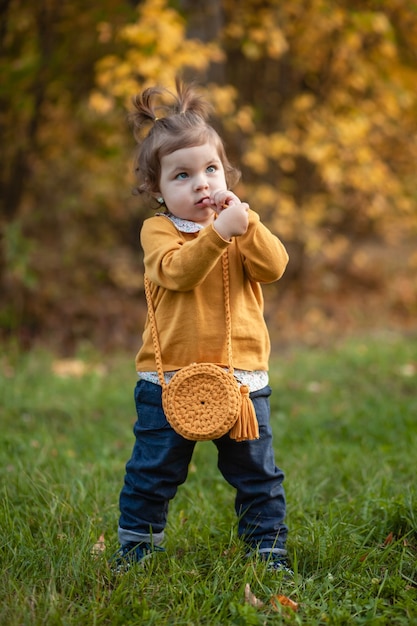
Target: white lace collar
184	226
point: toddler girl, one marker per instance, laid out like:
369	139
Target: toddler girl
182	164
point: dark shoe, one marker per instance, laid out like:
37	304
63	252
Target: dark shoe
276	562
131	553
279	565
275	559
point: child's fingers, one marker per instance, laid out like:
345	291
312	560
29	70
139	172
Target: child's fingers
223	198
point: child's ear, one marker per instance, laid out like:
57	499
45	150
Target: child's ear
158	197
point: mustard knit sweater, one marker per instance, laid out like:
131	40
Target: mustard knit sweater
185	271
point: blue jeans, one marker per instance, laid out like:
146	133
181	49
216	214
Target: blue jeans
159	464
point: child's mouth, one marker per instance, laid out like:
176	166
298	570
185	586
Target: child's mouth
203	201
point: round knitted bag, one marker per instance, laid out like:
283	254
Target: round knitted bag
203	401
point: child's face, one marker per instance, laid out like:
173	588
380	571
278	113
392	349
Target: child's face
188	177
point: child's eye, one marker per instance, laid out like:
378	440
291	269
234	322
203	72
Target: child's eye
181	176
211	169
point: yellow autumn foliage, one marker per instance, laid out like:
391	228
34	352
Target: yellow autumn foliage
337	126
156	49
317	104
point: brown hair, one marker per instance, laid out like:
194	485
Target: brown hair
184	125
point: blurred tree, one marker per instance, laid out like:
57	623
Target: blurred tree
47	72
317	104
331	151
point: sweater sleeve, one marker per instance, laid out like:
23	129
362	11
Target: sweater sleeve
264	256
174	263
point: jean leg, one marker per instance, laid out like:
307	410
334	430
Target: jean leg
249	466
158	465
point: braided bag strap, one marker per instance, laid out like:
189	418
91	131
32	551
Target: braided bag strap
228	320
227	313
154	333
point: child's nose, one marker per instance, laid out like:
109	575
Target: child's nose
201	181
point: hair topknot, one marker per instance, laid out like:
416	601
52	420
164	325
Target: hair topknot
151	105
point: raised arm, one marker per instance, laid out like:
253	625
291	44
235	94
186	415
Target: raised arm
264	256
174	263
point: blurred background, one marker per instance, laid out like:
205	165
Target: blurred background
317	103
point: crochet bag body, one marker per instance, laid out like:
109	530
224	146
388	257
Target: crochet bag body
204	401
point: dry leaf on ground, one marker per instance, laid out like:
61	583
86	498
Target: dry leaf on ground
250	597
99	547
276	601
388	539
283	601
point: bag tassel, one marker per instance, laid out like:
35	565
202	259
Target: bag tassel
246	426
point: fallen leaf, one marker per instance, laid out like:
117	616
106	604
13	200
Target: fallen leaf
69	368
75	368
283	601
388	539
99	547
314	387
408	369
250	597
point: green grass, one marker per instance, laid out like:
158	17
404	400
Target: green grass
345	425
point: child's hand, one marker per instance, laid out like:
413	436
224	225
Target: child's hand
233	219
222	199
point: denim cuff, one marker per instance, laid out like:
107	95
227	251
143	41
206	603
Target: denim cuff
127	536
